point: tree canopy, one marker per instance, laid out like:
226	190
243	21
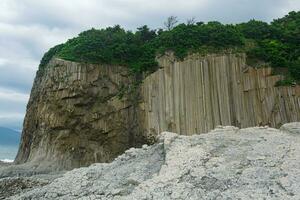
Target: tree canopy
277	43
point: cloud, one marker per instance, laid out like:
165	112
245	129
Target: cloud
8	12
13	116
100	13
12	108
11	120
29	27
35	38
13	96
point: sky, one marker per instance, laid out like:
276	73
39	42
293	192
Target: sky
28	28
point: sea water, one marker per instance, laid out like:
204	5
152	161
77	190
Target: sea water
8	153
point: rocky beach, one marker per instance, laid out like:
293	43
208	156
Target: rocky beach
226	163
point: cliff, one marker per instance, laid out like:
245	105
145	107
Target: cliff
75	116
196	95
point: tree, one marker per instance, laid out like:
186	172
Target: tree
171	22
191	21
294	68
145	33
49	55
254	29
160	31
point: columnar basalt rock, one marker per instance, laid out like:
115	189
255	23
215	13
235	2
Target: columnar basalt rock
75	115
201	92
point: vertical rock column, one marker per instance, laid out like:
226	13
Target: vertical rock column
201	92
75	116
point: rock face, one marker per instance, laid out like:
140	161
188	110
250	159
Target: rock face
226	163
200	93
75	117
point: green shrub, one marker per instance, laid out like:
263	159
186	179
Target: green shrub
254	29
191	38
285	82
49	55
294	69
277	43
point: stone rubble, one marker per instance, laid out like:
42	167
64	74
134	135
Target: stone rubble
226	163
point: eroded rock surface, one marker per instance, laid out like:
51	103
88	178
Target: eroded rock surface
16	185
226	163
75	116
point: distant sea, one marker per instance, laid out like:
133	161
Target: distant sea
8	152
9	144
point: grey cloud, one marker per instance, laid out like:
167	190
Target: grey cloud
12	120
18	79
83	14
12	108
234	11
30	39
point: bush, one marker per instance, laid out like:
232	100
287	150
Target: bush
191	38
294	69
257	30
49	55
285	82
277	43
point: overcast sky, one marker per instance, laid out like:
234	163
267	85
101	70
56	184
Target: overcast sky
28	28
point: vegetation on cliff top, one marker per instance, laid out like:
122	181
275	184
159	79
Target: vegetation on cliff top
277	43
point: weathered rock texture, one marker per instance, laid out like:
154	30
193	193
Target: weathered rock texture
199	93
227	163
12	186
75	117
